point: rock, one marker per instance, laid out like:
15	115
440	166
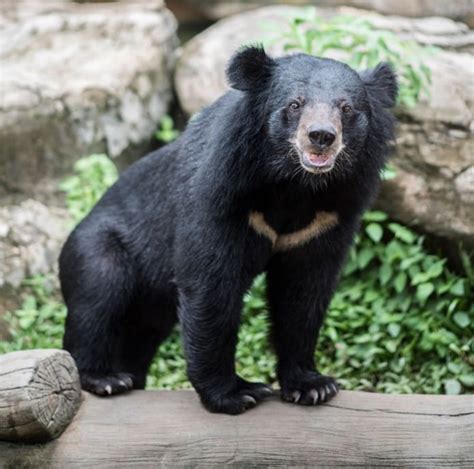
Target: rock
462	10
199	76
79	79
31	235
464	183
435	151
432	31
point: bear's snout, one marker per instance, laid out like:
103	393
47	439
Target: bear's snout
322	137
319	138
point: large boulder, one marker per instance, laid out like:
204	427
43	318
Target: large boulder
462	10
79	79
433	188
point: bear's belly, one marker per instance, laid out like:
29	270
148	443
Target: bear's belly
321	223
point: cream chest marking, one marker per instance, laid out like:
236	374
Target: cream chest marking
322	222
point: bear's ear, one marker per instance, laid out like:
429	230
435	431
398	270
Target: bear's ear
250	69
381	84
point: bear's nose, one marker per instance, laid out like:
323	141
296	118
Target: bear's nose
322	137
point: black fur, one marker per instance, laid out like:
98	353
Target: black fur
172	238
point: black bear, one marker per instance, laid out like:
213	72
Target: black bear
273	177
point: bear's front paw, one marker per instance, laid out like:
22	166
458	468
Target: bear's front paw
243	396
106	384
309	388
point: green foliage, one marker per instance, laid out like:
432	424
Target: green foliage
168	369
356	41
167	132
400	321
39	323
389	172
93	175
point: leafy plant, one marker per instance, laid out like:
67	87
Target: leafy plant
39	323
400	321
357	42
167	132
93	175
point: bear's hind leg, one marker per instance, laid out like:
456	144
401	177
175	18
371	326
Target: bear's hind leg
98	290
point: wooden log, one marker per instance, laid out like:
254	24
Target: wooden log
39	394
153	429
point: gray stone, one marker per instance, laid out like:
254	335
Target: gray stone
462	10
432	31
435	152
199	76
465	186
78	79
31	236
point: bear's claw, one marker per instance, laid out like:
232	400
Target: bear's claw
311	389
245	395
106	384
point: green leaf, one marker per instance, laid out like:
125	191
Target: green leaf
454	367
375	231
255	302
452	386
370	296
462	319
400	282
364	257
394	329
467	380
402	233
391	346
436	269
375	215
388	173
166	133
26	322
458	288
385	273
420	277
395	250
423	291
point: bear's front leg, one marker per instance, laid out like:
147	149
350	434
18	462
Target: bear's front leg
212	280
210	320
300	286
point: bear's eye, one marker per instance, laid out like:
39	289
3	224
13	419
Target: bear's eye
294	105
346	109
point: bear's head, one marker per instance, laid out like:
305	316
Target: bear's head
319	114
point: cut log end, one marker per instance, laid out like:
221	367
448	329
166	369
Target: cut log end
40	393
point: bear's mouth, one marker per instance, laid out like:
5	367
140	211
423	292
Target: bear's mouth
317	162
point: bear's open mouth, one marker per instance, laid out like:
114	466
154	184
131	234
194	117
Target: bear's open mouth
317	162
